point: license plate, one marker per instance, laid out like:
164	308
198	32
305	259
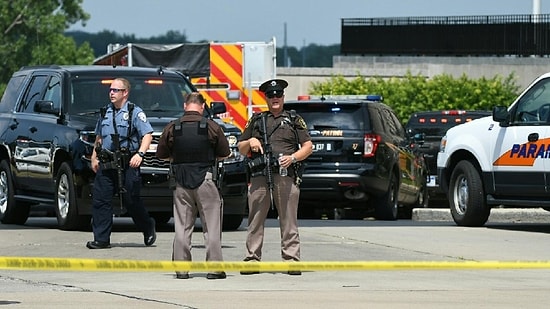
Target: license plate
432	181
322	147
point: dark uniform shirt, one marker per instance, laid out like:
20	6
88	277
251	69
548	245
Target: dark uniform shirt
284	134
215	135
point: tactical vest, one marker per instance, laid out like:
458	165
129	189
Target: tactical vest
192	152
191	144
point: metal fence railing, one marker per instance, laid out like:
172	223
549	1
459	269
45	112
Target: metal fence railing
498	35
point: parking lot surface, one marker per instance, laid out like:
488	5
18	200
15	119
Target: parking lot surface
522	238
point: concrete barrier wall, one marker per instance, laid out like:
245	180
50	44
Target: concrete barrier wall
525	69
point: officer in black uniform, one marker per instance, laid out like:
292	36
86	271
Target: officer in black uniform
289	143
127	123
194	144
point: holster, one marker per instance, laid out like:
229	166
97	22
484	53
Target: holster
171	179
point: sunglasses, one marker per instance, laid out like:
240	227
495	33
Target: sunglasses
272	95
116	90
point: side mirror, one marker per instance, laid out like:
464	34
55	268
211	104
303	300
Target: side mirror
501	115
45	107
217	108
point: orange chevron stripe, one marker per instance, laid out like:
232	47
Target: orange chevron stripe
226	64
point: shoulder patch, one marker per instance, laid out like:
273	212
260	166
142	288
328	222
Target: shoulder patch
142	116
301	123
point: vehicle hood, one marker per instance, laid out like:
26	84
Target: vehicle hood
481	124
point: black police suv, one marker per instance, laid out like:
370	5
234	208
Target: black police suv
47	120
434	125
362	158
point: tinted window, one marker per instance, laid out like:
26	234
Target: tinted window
9	99
391	123
320	116
534	105
34	93
53	92
160	95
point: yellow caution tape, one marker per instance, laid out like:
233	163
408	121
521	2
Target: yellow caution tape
72	264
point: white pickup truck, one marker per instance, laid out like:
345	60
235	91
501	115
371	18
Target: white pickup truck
503	160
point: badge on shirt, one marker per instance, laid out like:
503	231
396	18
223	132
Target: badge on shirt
125	116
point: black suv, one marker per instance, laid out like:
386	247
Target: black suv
361	158
47	120
434	125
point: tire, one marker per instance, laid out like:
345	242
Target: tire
386	207
66	208
232	222
11	211
467	197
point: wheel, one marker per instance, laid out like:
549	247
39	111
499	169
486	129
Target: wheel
466	196
386	207
11	212
65	202
232	222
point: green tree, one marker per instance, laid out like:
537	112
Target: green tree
410	93
99	41
32	34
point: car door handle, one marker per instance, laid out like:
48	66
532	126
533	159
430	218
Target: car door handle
533	137
14	125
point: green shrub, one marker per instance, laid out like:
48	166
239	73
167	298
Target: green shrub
417	93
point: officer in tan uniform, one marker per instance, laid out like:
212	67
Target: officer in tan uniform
192	144
286	134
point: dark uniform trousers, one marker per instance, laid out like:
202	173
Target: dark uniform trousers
285	195
105	183
204	200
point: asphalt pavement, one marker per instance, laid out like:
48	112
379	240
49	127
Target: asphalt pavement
510	235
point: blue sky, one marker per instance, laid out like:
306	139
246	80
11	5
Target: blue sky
307	21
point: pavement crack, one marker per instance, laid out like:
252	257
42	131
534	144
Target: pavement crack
147	299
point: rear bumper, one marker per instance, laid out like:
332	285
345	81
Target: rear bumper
341	189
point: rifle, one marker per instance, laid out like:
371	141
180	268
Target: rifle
119	165
268	155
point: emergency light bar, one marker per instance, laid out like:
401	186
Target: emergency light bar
369	97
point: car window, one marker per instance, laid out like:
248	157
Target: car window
9	99
53	92
534	105
320	116
34	93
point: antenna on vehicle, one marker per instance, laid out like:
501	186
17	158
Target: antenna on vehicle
160	70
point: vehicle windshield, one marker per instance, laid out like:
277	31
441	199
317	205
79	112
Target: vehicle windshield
89	94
